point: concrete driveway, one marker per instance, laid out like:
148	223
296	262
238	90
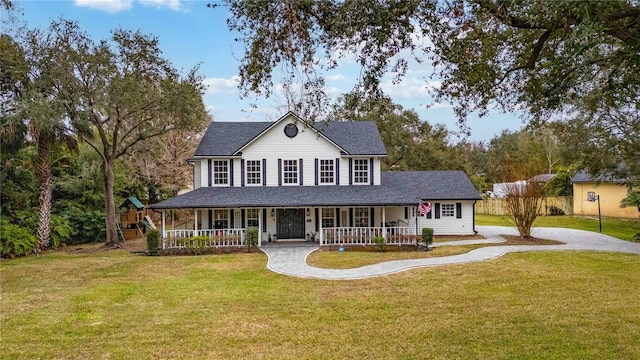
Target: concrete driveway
291	259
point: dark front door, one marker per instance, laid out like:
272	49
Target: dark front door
290	224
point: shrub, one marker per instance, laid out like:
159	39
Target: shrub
427	237
15	240
195	245
153	241
380	242
252	237
86	226
60	230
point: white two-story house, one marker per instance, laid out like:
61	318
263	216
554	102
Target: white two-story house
295	180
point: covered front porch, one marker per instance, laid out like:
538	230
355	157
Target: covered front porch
342	225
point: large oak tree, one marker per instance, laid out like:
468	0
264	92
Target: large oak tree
547	59
119	94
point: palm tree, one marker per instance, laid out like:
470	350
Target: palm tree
31	114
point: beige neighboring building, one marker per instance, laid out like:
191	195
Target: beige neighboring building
610	190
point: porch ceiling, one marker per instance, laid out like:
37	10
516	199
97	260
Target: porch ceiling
288	196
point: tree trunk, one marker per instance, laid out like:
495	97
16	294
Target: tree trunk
109	203
46	190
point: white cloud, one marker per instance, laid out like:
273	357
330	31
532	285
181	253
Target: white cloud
221	85
336	77
114	6
410	88
111	6
171	4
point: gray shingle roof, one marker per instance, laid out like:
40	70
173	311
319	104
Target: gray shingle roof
583	177
398	188
432	185
356	137
225	138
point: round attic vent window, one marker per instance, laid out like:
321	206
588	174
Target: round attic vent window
291	130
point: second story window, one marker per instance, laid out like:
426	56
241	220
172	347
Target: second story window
327	171
290	172
254	172
220	172
360	171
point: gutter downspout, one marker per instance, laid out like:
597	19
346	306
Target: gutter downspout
474	217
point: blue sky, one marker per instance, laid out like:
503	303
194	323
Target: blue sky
190	33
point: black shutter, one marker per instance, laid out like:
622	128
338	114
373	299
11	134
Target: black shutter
371	219
231	218
210	213
437	210
316	167
210	172
337	218
317	219
242	215
430	214
264	172
264	220
231	172
337	171
351	217
242	171
458	210
371	171
279	172
406	212
300	172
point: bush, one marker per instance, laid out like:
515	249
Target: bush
427	237
60	230
195	245
153	241
252	237
86	226
15	240
380	242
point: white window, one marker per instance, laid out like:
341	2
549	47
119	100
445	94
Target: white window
360	171
327	171
254	172
448	210
361	217
220	219
290	171
328	218
220	172
252	217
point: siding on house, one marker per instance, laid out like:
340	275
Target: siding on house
610	196
450	225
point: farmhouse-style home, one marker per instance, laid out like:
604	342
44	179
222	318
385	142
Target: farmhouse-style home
295	180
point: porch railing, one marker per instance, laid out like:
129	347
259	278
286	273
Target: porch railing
217	238
364	235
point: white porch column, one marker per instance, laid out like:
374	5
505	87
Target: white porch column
195	222
164	231
259	229
320	226
384	220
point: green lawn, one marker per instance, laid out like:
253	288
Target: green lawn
548	305
624	229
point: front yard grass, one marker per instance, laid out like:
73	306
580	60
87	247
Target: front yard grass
624	229
551	305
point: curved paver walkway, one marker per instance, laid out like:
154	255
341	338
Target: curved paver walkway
291	260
